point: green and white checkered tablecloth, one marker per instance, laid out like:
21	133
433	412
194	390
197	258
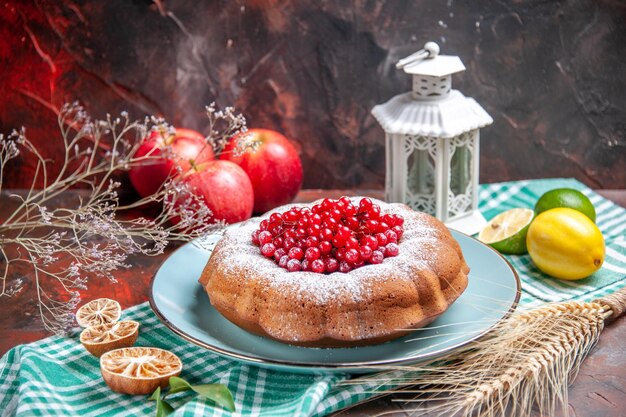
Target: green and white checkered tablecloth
57	377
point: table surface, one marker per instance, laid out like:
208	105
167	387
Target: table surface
599	389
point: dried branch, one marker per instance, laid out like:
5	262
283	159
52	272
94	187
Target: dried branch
63	246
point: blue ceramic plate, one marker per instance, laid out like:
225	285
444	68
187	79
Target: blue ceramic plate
183	306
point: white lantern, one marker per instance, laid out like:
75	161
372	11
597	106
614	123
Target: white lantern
432	142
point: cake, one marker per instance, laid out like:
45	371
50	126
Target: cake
370	304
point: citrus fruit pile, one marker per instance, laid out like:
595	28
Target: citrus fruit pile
560	234
103	332
125	369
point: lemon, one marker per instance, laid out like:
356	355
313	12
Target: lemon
566	197
506	232
566	244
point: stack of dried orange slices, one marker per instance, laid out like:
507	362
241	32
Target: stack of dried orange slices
125	369
103	332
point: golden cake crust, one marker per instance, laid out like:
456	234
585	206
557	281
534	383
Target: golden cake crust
367	305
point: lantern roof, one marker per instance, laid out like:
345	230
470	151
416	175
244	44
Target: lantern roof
437	66
428	62
451	116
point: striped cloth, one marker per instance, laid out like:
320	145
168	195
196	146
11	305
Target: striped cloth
57	377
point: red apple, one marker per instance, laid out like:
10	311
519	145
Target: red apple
274	168
187	146
224	187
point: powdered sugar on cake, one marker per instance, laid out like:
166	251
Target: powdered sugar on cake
241	254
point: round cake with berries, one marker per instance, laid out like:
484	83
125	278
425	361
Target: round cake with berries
335	273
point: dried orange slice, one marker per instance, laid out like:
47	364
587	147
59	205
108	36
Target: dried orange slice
100	311
139	370
105	337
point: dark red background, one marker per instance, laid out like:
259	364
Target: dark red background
550	73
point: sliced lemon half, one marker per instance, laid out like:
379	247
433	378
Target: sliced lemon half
139	370
506	232
100	311
105	337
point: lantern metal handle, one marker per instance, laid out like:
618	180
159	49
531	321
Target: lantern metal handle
430	50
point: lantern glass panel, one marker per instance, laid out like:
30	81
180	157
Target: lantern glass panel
420	152
460	193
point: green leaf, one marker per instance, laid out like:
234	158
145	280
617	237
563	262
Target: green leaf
218	393
178	385
155	395
163	409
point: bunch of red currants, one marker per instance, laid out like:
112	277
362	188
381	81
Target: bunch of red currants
334	235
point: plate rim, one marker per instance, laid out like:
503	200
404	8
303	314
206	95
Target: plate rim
321	365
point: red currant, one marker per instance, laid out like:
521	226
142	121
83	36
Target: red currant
392	250
294	265
371	226
279	253
289	243
344	267
352	243
312	254
383	227
326	234
352	255
358	264
325	247
365	204
303	222
296	253
314	230
388	219
352	222
268	250
315	219
327	204
265	237
338	241
391	236
377	257
370	241
318	266
365	252
255	237
345	201
278	242
331	264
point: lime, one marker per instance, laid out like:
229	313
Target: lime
566	197
506	232
566	244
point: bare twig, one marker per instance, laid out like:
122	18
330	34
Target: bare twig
65	245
